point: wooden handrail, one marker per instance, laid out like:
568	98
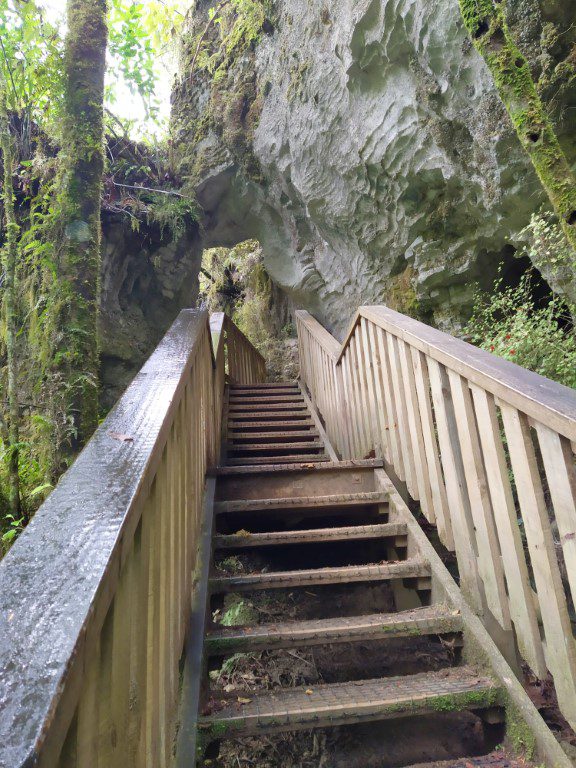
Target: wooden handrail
245	363
535	395
477	440
95	595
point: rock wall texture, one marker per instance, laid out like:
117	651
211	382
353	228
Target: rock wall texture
147	277
363	143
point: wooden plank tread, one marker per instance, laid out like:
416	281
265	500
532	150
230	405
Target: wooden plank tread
303	445
454	689
237	435
303	502
246	539
411	568
241	426
234	409
265	399
329	466
299	459
431	620
265	385
276	392
262	413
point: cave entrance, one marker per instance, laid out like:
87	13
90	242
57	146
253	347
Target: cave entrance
235	281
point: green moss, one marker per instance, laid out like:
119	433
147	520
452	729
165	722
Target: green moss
470	700
489	31
296	84
518	734
401	293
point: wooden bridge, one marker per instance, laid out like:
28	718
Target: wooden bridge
399	445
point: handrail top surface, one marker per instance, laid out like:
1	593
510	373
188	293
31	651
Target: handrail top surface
330	345
51	579
542	399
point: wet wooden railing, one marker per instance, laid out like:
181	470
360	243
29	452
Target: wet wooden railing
486	447
95	596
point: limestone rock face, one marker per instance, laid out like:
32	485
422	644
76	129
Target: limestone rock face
147	277
388	169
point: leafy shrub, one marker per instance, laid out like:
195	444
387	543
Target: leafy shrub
540	338
551	253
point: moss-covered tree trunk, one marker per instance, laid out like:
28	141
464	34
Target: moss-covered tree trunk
485	21
76	358
9	262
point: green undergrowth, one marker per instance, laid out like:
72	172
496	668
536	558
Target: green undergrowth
237	612
235	281
508	323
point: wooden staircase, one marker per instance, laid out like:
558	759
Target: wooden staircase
280	500
270	424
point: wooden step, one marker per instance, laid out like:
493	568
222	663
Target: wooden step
235	409
272	425
266	460
276	448
245	539
431	620
302	502
256	393
260	415
238	436
320	706
265	399
265	385
405	569
325	468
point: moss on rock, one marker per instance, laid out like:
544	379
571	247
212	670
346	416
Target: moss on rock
486	24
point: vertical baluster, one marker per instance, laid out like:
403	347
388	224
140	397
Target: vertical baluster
136	728
364	404
417	438
349	395
153	655
391	409
346	446
560	647
182	599
462	525
402	415
521	600
370	391
120	671
383	419
558	461
164	607
359	411
356	402
88	716
105	694
489	559
437	487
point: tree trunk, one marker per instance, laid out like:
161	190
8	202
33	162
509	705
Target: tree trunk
81	158
9	260
486	23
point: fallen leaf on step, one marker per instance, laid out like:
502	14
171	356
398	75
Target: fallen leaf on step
309	692
243	701
122	438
